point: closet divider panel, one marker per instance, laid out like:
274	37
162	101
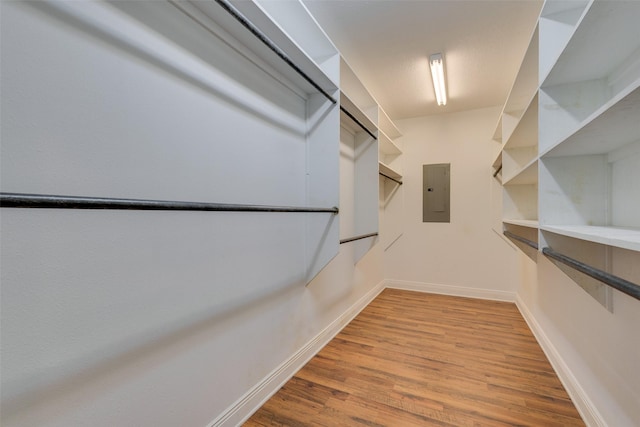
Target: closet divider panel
366	197
322	181
569	157
359	117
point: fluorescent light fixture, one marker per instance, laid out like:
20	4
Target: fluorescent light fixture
436	61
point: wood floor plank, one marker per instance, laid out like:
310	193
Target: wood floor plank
417	359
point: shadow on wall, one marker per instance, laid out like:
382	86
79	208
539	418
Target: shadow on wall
194	67
139	352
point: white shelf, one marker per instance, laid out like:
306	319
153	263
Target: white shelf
555	7
387	126
606	37
528	175
557	24
355	111
387	146
519	202
383	168
497	168
497	134
295	20
498	161
620	237
526	81
611	127
357	93
311	50
525	133
530	223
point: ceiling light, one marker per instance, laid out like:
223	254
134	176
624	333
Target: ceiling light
436	61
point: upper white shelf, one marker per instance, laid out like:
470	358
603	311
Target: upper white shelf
522	222
525	133
555	7
595	50
526	81
356	112
497	134
387	146
388	171
387	126
609	128
526	176
620	237
357	93
498	161
557	24
290	27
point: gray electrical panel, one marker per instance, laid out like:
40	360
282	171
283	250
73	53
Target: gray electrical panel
435	192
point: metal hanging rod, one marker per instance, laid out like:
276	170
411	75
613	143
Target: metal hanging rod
616	282
528	242
271	45
18	200
358	122
388	177
363	236
497	171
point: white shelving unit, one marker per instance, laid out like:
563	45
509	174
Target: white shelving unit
589	73
570	132
590	145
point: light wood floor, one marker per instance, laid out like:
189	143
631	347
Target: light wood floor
417	359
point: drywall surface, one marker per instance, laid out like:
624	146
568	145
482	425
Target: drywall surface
466	252
140	318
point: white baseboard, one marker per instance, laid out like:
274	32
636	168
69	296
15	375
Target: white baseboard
584	405
458	291
244	407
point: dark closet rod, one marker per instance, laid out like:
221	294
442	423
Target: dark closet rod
528	242
18	200
358	122
388	177
363	236
616	282
497	171
271	45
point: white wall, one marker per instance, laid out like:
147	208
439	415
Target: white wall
125	318
465	253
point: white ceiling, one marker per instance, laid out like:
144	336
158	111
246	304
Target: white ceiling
388	42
